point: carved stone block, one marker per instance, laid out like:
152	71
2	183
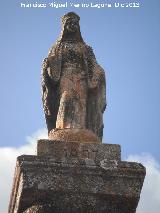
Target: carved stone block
83	178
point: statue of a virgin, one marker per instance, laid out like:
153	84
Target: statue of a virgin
73	87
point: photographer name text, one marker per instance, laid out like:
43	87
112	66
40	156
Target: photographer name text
57	5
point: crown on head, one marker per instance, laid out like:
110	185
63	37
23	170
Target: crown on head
70	15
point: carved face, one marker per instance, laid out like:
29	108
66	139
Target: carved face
72	25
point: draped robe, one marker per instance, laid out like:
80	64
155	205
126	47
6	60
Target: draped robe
73	88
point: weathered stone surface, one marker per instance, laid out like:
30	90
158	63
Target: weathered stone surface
71	135
73	84
76	183
89	151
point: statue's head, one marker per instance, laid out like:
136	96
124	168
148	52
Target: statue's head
70	22
70	26
70	31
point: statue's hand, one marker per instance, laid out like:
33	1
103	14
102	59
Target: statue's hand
94	82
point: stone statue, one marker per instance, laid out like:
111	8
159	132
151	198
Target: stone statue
73	171
73	86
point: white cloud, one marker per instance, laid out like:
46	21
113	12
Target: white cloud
150	196
8	162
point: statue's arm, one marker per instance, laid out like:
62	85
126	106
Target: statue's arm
51	69
97	81
49	89
45	84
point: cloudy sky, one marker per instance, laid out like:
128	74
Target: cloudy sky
126	42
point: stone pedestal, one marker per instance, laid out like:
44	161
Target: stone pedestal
76	178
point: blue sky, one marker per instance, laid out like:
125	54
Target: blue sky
126	42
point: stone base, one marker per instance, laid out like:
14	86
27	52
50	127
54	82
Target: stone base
82	178
76	150
73	135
